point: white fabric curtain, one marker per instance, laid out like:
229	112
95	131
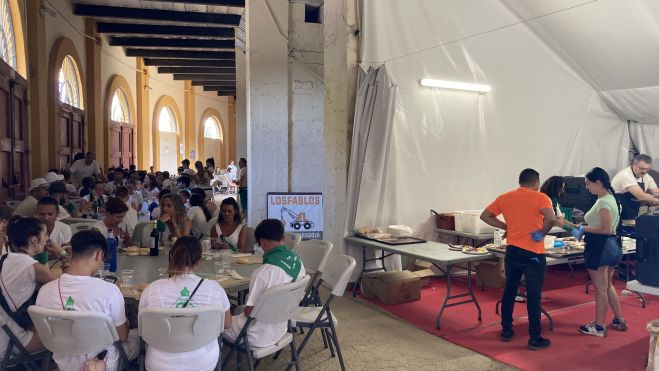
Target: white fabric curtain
371	144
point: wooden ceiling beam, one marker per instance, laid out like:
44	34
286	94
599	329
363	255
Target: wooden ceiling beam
168	30
184	54
213	83
189	62
158	42
102	11
219	88
226	93
199	77
234	3
198	70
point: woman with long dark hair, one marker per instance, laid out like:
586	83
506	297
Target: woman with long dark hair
229	232
603	251
184	289
554	188
198	215
19	275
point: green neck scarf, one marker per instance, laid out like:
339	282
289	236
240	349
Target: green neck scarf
285	259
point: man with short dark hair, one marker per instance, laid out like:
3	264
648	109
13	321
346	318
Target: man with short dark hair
242	185
529	217
280	266
48	211
87	167
77	290
634	185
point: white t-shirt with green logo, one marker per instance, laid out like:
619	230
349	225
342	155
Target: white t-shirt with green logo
83	293
173	293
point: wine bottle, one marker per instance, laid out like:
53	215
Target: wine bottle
153	240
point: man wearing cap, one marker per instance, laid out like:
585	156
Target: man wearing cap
58	191
51	177
38	189
87	167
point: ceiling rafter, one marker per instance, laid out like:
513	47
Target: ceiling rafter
168	30
102	11
185	54
158	42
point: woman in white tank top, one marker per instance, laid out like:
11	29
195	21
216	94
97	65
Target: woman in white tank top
229	232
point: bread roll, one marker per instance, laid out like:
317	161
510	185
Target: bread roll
242	261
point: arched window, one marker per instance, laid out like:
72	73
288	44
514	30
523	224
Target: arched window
167	120
119	111
212	128
7	38
69	83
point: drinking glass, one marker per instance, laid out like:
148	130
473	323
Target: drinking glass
162	273
104	270
127	277
205	246
219	267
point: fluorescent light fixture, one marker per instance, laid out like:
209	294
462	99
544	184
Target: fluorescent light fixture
431	83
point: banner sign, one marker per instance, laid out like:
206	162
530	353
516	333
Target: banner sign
300	212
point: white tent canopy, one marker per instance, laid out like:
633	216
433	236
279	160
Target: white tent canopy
565	77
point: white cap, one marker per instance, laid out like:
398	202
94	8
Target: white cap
38	182
53	177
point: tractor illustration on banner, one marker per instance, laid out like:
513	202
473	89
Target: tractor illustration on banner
298	220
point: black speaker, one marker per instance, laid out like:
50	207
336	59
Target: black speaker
576	195
647	249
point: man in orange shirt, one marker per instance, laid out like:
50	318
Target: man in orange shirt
529	216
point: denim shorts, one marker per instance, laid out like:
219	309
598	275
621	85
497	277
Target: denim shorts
602	251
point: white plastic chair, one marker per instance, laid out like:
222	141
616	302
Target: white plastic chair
292	240
178	330
77	227
13	203
335	278
275	305
74	333
23	358
142	233
314	255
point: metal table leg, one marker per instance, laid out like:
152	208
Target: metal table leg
448	296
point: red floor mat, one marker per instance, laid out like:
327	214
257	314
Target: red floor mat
570	307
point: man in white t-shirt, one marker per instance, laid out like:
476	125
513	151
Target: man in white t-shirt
634	185
87	167
47	211
77	290
38	189
242	185
280	266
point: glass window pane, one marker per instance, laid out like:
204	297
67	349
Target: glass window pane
119	107
7	39
69	83
212	128
167	120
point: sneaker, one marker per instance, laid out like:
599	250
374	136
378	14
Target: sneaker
506	335
520	299
620	325
539	343
593	329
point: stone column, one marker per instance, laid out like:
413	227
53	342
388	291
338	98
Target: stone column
267	104
97	133
37	59
340	61
143	120
189	129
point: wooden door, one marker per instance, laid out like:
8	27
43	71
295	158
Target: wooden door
13	134
71	129
127	157
115	144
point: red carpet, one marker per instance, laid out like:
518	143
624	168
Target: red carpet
570	307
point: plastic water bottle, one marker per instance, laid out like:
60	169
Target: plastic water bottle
498	237
112	247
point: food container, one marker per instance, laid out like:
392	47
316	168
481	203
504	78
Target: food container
444	221
549	242
470	222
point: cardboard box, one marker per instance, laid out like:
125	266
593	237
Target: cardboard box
490	274
392	287
424	275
